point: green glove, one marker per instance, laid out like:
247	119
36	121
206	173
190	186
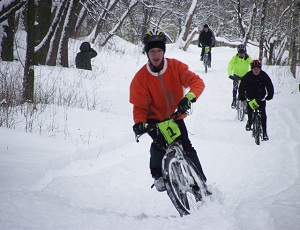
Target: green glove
185	103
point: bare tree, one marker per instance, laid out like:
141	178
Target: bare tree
7	51
182	41
7	22
28	81
112	32
59	29
42	26
262	28
295	43
7	9
102	9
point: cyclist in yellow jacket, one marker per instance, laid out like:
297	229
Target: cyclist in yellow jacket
238	66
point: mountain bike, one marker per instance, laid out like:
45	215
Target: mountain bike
184	183
205	58
241	108
257	123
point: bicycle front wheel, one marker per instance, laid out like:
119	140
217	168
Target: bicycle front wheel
205	62
184	184
256	129
240	110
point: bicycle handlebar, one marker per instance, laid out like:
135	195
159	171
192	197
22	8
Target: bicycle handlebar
149	127
257	99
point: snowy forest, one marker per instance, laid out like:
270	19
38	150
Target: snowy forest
68	154
49	25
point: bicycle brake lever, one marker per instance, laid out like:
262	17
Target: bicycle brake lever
137	138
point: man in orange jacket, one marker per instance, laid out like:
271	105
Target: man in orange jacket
156	91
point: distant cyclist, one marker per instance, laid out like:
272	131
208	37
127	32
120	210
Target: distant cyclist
238	66
257	84
156	91
206	38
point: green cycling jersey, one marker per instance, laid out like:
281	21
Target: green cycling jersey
239	66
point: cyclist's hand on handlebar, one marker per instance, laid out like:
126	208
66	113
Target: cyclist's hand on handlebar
139	128
185	103
238	78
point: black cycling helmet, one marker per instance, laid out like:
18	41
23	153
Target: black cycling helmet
255	63
241	48
154	38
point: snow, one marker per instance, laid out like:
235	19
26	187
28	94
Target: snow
82	168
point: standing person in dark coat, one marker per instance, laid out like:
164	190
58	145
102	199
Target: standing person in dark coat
257	84
83	58
206	38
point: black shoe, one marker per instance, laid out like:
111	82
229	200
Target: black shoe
248	126
201	59
265	137
233	104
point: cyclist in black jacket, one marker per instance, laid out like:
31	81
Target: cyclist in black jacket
257	84
206	38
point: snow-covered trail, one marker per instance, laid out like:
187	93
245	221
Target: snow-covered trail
106	184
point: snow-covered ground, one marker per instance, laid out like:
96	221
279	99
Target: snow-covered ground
82	169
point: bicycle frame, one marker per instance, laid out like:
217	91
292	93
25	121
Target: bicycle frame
184	183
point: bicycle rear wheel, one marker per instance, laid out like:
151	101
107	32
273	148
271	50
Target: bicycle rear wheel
184	184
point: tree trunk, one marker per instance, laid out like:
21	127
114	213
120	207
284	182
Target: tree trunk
69	26
42	48
262	29
78	16
240	20
295	38
55	41
181	41
104	14
42	26
189	19
7	52
189	40
28	81
271	52
252	17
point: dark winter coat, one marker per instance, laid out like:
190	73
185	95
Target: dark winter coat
83	58
206	38
256	86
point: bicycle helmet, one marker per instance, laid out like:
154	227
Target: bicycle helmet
255	63
154	38
241	48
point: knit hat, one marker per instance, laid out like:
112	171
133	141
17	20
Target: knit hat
205	26
155	44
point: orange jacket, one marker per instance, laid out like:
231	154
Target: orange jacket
156	95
